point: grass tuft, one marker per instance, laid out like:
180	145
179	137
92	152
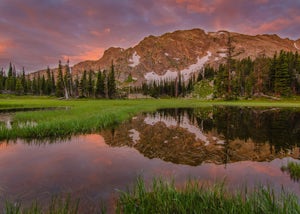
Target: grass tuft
164	197
293	169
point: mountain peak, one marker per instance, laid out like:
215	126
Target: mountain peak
182	51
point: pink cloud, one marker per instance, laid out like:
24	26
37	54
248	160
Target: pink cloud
5	45
90	53
273	26
261	1
198	6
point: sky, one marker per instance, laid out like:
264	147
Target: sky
38	33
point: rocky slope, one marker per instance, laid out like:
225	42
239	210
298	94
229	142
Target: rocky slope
183	141
186	51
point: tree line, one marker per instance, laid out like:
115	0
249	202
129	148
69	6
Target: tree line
263	76
99	84
275	76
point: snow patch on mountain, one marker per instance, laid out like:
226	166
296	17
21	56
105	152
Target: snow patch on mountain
152	76
296	46
134	135
135	60
186	73
184	123
222	55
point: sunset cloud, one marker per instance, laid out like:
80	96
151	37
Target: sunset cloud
38	33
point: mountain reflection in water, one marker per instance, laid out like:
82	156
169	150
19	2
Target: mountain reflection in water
217	135
179	144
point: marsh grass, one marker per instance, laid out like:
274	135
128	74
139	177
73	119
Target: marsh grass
164	197
57	205
87	116
293	169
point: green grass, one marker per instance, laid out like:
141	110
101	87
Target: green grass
87	115
164	197
57	205
293	169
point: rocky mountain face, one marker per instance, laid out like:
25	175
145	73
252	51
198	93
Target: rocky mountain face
185	139
184	51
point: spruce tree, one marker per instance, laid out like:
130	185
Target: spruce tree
59	82
2	80
83	85
111	82
282	77
100	85
34	86
272	71
68	83
9	79
89	87
19	87
23	81
48	82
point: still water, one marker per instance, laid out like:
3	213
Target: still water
243	146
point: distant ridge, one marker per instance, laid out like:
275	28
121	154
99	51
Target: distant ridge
184	51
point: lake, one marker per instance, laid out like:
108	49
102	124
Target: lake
241	146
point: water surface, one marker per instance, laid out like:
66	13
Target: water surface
244	146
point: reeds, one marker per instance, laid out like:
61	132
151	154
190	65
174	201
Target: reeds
164	197
293	169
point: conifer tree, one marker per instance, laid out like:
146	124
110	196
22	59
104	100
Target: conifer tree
53	89
9	79
59	82
83	85
282	77
2	80
89	86
68	83
100	85
19	87
34	86
111	82
48	82
23	81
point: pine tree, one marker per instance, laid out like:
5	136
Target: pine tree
39	84
68	82
9	79
29	85
23	82
53	89
34	86
2	80
59	82
272	71
261	68
19	87
43	86
221	82
83	85
111	82
48	82
282	77
100	85
89	86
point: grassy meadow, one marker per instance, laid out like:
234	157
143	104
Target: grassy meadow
90	115
165	198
